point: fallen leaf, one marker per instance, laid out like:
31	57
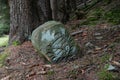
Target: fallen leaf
116	63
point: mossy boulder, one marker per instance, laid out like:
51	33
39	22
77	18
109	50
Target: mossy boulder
54	42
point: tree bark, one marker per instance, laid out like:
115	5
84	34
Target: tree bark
20	20
44	10
36	15
26	15
54	7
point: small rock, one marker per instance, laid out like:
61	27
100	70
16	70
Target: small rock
75	66
97	48
99	37
97	34
111	67
89	45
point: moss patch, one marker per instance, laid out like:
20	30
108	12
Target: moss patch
3	56
4	41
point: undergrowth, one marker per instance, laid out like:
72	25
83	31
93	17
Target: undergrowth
100	15
104	74
3	56
4	41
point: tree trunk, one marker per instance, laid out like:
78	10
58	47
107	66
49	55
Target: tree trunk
20	20
44	10
36	15
54	7
26	15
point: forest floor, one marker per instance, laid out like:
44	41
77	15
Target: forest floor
101	60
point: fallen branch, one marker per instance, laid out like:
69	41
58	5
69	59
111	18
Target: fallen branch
77	32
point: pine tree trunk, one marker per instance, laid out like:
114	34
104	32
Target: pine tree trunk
44	10
54	7
20	20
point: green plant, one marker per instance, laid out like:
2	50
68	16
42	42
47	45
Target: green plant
117	40
3	56
105	58
107	1
4	17
93	17
100	14
4	40
73	73
50	74
104	74
16	43
4	29
113	16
